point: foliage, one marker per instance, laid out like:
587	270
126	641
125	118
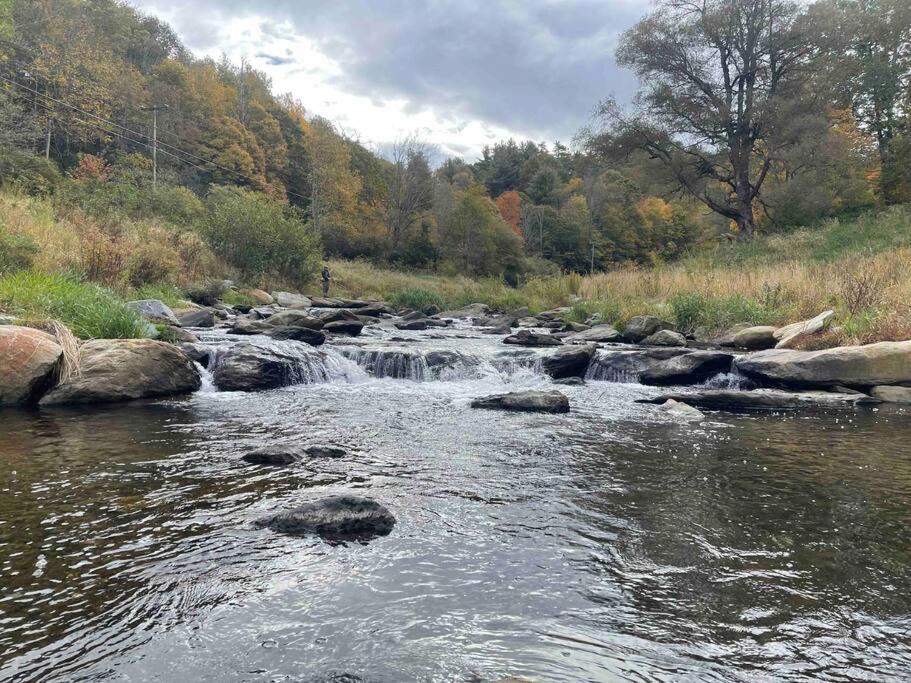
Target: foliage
416	299
28	173
259	235
17	252
90	311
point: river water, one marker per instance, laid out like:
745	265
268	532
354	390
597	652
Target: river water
608	544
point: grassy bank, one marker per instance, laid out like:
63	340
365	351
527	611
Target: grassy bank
860	266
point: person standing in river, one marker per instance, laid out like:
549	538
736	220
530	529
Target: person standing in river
327	276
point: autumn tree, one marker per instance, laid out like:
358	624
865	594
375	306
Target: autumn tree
410	189
719	79
510	206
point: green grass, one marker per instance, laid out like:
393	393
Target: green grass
234	298
170	296
417	299
90	311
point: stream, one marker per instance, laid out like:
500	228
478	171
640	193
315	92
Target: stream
609	543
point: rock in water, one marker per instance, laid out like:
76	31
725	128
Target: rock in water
525	401
325	452
29	360
529	338
755	338
890	394
682	411
690	368
470	311
346	327
289	300
126	369
301	334
569	362
764	399
154	311
246	367
339	518
201	318
598	333
273	456
412	325
884	363
665	338
641	326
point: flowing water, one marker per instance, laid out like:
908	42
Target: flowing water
607	544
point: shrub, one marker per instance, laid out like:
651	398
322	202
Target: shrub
17	252
259	236
417	299
695	310
152	262
206	293
28	173
90	311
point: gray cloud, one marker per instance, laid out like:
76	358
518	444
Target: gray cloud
537	67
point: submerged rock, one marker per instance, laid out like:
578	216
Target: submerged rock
689	368
764	399
325	452
335	518
525	401
29	361
641	326
571	361
154	311
273	456
126	369
885	363
529	338
681	411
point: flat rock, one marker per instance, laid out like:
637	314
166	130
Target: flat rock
300	334
689	368
154	311
525	401
571	361
763	399
29	362
641	326
290	300
412	325
125	369
791	335
755	338
892	394
884	363
529	338
335	518
345	327
627	365
598	333
664	338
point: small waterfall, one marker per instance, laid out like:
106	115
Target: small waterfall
438	365
729	380
614	366
392	364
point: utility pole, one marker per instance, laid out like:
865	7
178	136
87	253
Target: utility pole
155	108
47	139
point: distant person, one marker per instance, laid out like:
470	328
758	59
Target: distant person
327	276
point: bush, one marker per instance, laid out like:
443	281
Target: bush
17	252
152	262
28	173
416	299
696	310
260	236
206	293
90	311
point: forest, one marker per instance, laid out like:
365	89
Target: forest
752	118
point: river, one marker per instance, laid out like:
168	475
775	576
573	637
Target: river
610	543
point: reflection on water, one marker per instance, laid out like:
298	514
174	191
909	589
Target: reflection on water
605	544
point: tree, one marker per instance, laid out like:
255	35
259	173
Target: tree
475	239
410	189
510	206
719	78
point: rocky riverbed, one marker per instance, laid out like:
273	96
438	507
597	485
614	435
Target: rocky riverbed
331	487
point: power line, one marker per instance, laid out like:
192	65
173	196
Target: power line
35	92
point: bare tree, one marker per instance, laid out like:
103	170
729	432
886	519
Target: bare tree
720	80
410	188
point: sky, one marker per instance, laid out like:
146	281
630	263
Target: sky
459	74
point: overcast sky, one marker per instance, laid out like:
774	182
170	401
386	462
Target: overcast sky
461	74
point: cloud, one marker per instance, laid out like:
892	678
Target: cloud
535	68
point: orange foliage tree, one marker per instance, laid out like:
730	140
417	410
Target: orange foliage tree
510	207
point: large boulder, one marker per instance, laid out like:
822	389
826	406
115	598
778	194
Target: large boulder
525	401
294	319
495	321
29	362
301	334
249	367
351	328
469	311
338	518
641	326
665	338
529	338
571	361
755	338
200	318
627	365
689	368
598	333
791	335
290	300
111	370
764	399
154	311
871	365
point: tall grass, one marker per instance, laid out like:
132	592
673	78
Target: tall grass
90	311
